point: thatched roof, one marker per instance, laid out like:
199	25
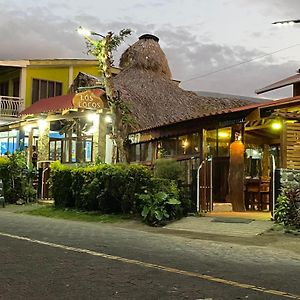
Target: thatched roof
154	99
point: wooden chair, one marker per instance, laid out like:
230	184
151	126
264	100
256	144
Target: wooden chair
264	190
252	194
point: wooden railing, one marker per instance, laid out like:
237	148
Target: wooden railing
11	106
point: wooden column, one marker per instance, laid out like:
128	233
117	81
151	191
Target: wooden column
79	143
283	146
203	149
43	142
102	138
236	176
266	161
30	144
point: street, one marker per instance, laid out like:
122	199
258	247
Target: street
44	258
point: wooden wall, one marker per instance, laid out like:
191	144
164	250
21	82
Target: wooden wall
292	145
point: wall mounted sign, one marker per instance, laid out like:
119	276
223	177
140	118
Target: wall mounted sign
88	100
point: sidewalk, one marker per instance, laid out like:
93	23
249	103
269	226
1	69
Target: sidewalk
222	225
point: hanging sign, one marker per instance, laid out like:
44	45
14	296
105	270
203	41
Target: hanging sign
88	100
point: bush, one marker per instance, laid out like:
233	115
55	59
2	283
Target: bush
17	178
61	181
287	210
168	169
107	188
160	202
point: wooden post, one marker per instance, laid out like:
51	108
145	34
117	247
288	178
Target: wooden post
266	161
79	143
203	153
236	176
30	144
43	142
283	146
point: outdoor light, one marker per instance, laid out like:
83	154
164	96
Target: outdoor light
223	134
27	127
14	132
86	32
93	117
254	152
185	144
42	124
108	119
286	23
276	125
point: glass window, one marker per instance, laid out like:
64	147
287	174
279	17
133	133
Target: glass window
211	141
4	88
224	137
44	89
146	152
188	144
167	147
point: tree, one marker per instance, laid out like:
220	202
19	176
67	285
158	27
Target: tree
121	120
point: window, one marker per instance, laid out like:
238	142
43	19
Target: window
16	87
4	88
45	89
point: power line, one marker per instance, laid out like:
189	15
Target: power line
238	64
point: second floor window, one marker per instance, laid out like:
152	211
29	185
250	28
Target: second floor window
45	89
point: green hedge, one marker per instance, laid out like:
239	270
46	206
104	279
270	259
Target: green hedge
126	189
107	188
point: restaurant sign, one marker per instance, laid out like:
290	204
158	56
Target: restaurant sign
88	100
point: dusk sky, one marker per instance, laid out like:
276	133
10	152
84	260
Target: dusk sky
198	36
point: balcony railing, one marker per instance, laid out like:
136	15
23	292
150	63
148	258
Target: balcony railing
11	106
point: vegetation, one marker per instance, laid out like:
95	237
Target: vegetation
116	189
75	215
122	120
17	178
287	210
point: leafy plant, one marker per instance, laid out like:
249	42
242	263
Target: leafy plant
156	207
287	210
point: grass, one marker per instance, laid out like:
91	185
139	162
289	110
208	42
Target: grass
50	211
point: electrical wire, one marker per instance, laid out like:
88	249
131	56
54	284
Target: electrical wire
238	64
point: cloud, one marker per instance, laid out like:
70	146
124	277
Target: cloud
41	33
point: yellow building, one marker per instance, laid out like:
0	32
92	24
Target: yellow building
25	82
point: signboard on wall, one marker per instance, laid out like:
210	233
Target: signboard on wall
89	99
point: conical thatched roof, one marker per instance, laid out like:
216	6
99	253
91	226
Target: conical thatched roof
154	99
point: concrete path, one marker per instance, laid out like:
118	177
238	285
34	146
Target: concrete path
222	226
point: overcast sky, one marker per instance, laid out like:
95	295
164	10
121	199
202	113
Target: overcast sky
198	36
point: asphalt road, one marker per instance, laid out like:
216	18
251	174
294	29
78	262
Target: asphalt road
43	258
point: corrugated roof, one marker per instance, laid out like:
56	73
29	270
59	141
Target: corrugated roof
54	104
279	84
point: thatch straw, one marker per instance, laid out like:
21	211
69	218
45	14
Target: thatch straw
146	54
153	98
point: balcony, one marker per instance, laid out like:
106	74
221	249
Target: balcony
10	107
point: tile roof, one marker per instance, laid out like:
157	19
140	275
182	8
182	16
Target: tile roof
54	104
279	84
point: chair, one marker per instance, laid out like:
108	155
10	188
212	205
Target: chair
264	190
252	194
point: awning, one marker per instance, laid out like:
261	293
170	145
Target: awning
89	99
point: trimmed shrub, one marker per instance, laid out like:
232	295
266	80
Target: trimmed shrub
107	188
168	169
61	181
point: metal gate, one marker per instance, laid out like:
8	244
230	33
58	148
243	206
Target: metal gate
205	186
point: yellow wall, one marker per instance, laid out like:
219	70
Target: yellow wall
54	73
60	74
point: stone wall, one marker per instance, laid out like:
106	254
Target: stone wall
289	176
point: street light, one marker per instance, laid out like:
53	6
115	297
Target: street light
287	22
86	32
